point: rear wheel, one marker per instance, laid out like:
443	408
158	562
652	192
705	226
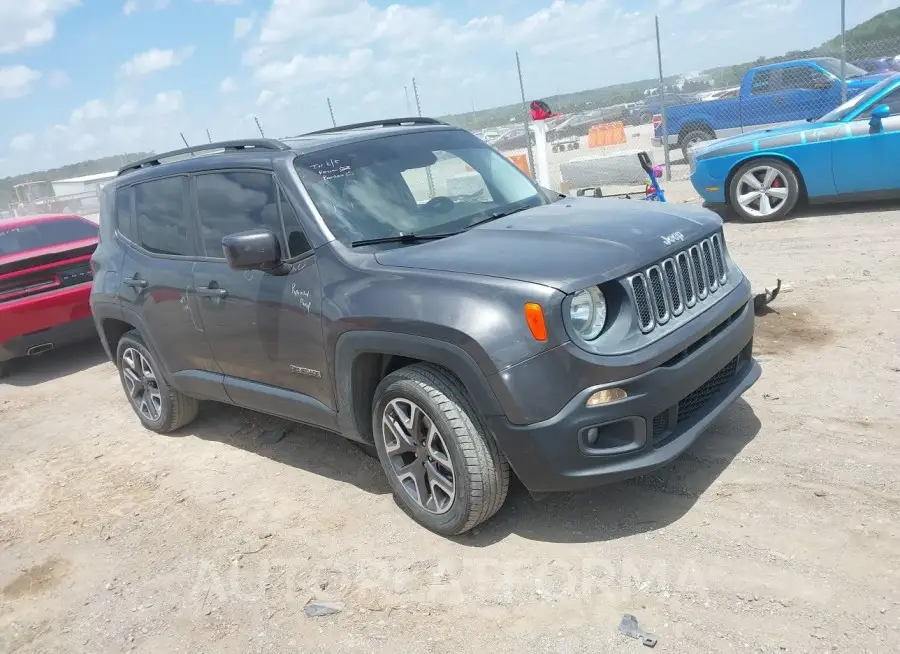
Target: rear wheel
763	190
444	467
159	407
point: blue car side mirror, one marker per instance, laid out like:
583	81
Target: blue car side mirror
881	112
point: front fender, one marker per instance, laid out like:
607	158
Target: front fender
351	391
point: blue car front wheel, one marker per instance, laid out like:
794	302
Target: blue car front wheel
763	190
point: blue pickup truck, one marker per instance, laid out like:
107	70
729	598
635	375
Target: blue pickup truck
770	95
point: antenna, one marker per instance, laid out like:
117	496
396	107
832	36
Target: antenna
184	139
259	127
331	111
208	137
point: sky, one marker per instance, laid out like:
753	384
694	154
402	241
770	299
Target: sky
81	79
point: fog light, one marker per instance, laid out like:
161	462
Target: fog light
592	435
606	396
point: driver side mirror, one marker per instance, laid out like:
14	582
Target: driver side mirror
879	113
257	249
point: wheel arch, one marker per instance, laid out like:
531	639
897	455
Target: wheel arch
364	358
764	155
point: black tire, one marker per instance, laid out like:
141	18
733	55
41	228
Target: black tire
692	138
480	471
791	183
176	409
4	369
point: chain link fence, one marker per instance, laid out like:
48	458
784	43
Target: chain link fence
593	136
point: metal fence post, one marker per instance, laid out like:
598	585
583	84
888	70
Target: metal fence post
662	106
843	51
526	119
419	110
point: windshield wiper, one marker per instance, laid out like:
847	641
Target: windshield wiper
401	238
496	215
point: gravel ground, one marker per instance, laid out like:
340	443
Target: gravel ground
776	532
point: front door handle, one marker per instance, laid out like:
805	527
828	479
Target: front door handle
211	291
135	282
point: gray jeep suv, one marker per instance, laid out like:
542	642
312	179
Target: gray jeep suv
404	285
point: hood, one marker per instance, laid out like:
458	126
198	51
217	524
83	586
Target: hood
568	245
755	135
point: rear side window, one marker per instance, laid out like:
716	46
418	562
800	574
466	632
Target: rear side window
44	234
125	214
161	218
234	202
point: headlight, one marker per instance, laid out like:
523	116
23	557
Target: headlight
587	313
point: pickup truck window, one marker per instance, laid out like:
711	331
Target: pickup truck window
833	66
788	78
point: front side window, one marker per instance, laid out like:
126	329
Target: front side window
161	219
45	234
232	202
892	100
853	104
429	182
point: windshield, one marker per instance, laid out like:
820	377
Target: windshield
833	66
44	234
839	114
430	182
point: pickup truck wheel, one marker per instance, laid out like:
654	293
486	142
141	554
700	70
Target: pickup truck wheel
692	138
764	189
443	466
159	407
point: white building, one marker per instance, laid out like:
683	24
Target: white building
79	185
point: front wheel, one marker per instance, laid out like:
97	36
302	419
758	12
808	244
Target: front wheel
763	190
443	466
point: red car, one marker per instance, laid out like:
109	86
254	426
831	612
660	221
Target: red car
45	283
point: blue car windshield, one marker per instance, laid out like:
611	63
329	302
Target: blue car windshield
839	114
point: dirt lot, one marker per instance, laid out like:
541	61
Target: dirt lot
777	532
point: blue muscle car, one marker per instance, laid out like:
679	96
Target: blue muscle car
851	153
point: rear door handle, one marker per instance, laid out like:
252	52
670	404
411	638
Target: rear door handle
207	291
135	282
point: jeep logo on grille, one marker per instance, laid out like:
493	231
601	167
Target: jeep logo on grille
674	237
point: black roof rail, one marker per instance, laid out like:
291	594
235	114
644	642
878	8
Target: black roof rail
388	122
227	146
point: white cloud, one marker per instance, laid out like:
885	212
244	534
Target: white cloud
90	110
154	60
265	96
58	79
17	81
30	23
126	109
22	143
228	85
167	102
243	26
131	6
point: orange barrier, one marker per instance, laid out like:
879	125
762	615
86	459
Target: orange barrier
521	162
606	134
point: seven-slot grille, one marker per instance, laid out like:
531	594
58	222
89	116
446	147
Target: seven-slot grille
666	289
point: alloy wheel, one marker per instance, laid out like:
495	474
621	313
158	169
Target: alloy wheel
761	191
141	384
418	456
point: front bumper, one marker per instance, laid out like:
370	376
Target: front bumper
666	410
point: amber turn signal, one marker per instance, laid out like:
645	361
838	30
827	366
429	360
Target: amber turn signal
534	316
606	396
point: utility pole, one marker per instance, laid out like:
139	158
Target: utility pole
843	51
428	168
662	106
526	117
